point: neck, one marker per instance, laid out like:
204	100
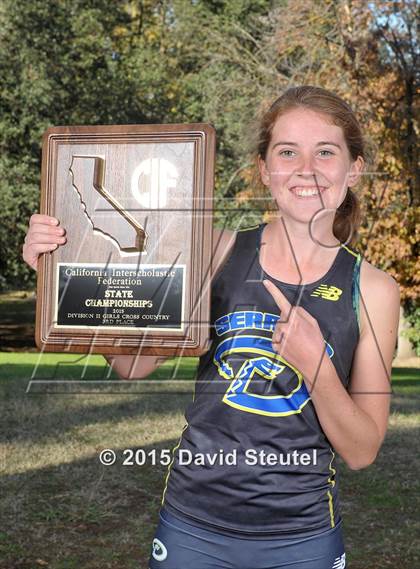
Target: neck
302	243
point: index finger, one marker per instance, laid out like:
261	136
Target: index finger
43	219
279	298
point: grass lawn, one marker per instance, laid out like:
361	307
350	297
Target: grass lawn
62	509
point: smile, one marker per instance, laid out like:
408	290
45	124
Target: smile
307	191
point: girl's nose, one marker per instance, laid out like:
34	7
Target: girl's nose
306	167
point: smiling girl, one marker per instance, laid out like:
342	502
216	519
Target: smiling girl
303	332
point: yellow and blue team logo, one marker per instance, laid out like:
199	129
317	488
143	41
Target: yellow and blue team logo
265	364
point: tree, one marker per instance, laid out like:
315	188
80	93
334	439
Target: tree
97	62
222	62
367	53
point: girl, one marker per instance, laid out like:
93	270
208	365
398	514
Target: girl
303	333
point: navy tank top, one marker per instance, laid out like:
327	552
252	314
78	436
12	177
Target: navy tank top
253	459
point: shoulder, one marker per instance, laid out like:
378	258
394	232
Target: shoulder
374	280
379	291
223	242
222	236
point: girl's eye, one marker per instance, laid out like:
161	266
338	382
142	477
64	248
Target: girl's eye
327	152
286	153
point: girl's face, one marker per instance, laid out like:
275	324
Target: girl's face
308	166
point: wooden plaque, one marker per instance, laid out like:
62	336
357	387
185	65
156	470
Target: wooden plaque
136	204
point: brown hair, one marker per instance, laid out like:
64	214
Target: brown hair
348	216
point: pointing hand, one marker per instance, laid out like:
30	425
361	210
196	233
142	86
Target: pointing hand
297	337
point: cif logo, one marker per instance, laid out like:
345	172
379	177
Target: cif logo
158	176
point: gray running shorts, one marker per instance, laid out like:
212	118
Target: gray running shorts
181	545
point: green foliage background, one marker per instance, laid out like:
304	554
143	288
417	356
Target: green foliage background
100	62
218	61
412	314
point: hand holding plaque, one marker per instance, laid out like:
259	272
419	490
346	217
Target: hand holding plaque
136	203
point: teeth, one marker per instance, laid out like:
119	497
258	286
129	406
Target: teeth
306	192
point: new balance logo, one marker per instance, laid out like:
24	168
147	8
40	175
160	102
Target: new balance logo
327	292
339	562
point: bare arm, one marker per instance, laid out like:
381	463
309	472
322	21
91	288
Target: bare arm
356	421
135	367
